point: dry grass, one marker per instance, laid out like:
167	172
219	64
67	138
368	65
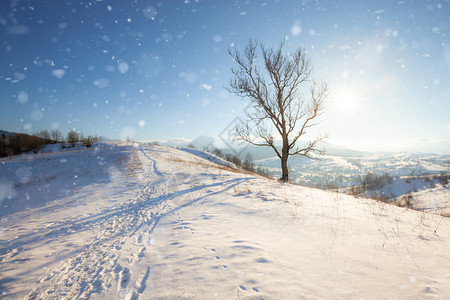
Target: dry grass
132	163
445	213
210	165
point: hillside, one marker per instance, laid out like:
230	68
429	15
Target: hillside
14	143
154	222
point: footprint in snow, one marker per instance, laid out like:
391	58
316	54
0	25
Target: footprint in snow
139	239
118	268
141	285
217	257
141	253
124	277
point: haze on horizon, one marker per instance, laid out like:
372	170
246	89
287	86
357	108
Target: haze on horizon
153	70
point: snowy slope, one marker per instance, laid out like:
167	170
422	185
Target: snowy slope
166	224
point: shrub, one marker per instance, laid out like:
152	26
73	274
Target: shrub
405	201
248	163
443	179
217	152
88	141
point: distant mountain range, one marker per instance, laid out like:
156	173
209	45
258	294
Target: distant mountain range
442	147
241	149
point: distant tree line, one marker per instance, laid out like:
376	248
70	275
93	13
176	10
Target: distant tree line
73	137
370	182
19	143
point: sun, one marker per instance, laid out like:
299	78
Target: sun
345	101
345	98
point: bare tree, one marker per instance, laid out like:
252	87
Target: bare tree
56	136
44	134
275	93
73	137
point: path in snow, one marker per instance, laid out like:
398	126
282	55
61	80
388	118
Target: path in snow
110	264
120	242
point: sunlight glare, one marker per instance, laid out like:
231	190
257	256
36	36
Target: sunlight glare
345	102
345	99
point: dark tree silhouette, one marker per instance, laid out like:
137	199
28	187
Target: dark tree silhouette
56	136
73	137
274	90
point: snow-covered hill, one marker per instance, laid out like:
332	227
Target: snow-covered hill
154	222
430	193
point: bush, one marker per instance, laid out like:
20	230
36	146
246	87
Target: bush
405	201
233	159
263	172
217	152
88	141
443	179
248	163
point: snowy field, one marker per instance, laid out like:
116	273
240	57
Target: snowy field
154	222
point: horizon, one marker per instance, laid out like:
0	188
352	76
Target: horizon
155	70
373	148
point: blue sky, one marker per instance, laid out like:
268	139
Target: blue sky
157	69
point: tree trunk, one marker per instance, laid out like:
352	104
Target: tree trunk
284	159
284	169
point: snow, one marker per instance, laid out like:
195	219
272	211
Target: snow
402	186
435	200
155	222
